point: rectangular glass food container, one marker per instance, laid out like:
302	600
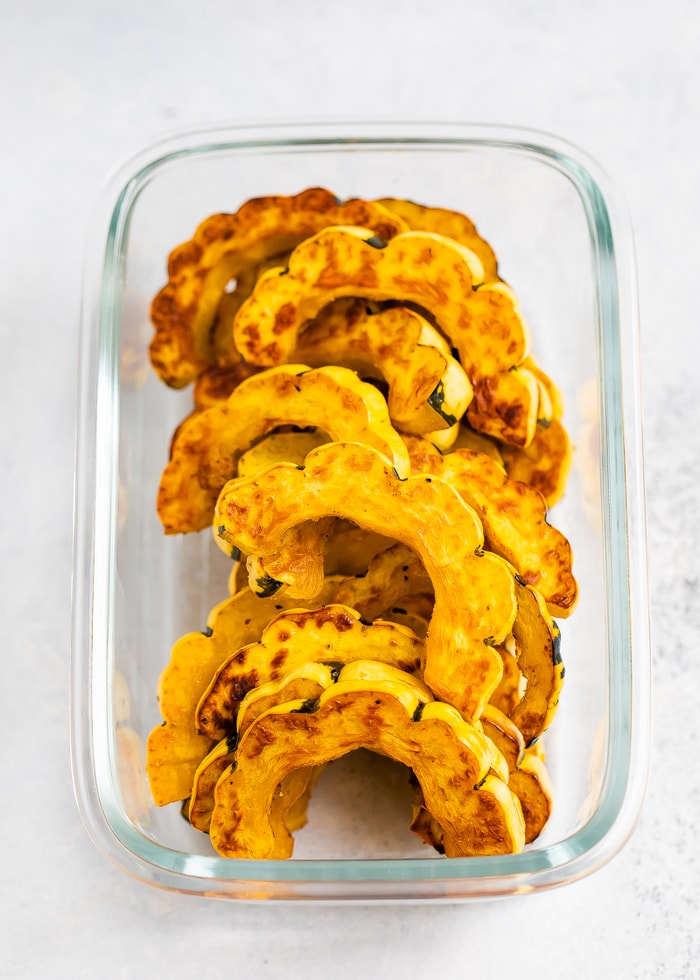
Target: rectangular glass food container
564	244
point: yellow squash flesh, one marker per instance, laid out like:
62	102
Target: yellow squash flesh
227	246
485	325
514	516
207	445
545	463
329	634
175	748
422	512
451	224
427	388
389	713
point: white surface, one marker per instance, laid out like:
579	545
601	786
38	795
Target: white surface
83	85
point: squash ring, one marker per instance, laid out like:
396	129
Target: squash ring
422	512
514	515
175	748
332	633
389	713
485	325
225	246
450	224
206	445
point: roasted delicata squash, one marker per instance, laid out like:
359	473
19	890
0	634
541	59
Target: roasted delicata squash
375	449
332	633
206	446
384	710
422	512
450	224
514	515
175	748
484	324
428	389
391	575
226	246
545	463
538	653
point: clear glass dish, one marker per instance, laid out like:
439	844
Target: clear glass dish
564	244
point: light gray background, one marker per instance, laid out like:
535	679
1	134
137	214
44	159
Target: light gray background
82	86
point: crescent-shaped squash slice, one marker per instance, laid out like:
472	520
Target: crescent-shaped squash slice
288	805
390	575
428	389
349	549
225	246
468	438
386	711
485	325
528	780
524	773
422	512
333	633
514	516
206	446
451	224
175	748
545	463
537	650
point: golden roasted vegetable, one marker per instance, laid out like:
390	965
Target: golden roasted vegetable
528	780
381	709
391	575
175	748
279	447
537	650
451	224
545	463
288	807
428	389
523	773
422	512
226	246
330	634
216	384
485	325
514	516
206	446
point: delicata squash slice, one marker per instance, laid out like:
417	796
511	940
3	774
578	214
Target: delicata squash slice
451	224
514	516
330	634
226	246
428	389
382	709
422	512
175	748
206	446
484	324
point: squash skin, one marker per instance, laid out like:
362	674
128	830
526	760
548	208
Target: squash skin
395	344
175	748
225	246
206	445
486	326
422	512
329	634
514	515
449	757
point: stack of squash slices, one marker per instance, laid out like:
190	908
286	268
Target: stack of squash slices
376	451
